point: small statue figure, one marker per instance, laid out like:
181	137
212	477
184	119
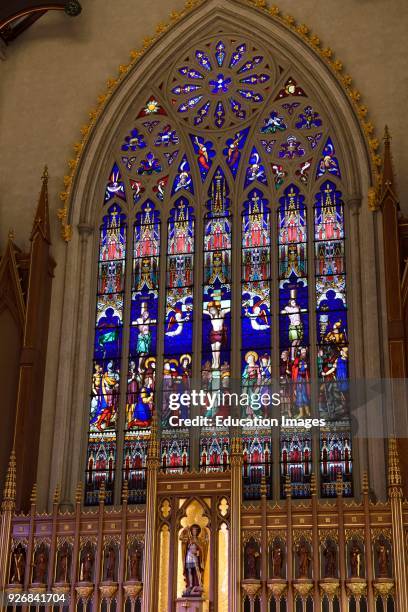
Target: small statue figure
304	560
330	565
62	567
86	569
382	558
251	560
355	560
194	547
40	567
110	564
18	566
277	561
134	564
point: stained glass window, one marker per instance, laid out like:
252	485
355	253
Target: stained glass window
178	325
101	454
174	453
216	308
214	452
225	142
256	298
296	463
141	376
257	464
332	336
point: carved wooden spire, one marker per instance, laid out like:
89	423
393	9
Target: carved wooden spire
125	492
79	492
365	486
153	447
288	486
33	498
57	494
42	216
388	187
102	493
394	470
313	484
9	494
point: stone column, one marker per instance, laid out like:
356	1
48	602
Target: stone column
150	547
235	535
398	547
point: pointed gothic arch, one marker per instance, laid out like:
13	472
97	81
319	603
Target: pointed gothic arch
296	60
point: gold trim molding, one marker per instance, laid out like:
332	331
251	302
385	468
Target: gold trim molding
271	11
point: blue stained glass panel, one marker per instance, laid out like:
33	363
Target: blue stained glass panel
115	186
256	170
255	308
328	163
108	342
329	213
104	397
183	179
204	150
216	310
232	150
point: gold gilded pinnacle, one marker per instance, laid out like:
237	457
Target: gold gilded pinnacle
9	492
394	470
102	493
33	498
313	488
78	493
125	492
288	487
57	494
365	483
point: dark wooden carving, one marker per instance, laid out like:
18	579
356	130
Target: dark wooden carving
25	295
18	15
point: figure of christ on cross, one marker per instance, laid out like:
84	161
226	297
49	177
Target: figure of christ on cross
218	333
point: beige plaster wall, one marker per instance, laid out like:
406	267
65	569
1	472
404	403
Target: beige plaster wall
54	72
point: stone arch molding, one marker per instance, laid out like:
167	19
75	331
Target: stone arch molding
86	197
207	19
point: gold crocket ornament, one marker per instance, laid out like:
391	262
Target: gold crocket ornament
194	544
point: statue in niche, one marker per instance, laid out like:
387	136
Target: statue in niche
355	560
135	558
194	542
110	564
252	558
382	559
277	560
330	560
86	567
63	565
304	560
18	565
40	566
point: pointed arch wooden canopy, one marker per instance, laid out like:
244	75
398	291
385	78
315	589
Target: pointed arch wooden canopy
281	34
